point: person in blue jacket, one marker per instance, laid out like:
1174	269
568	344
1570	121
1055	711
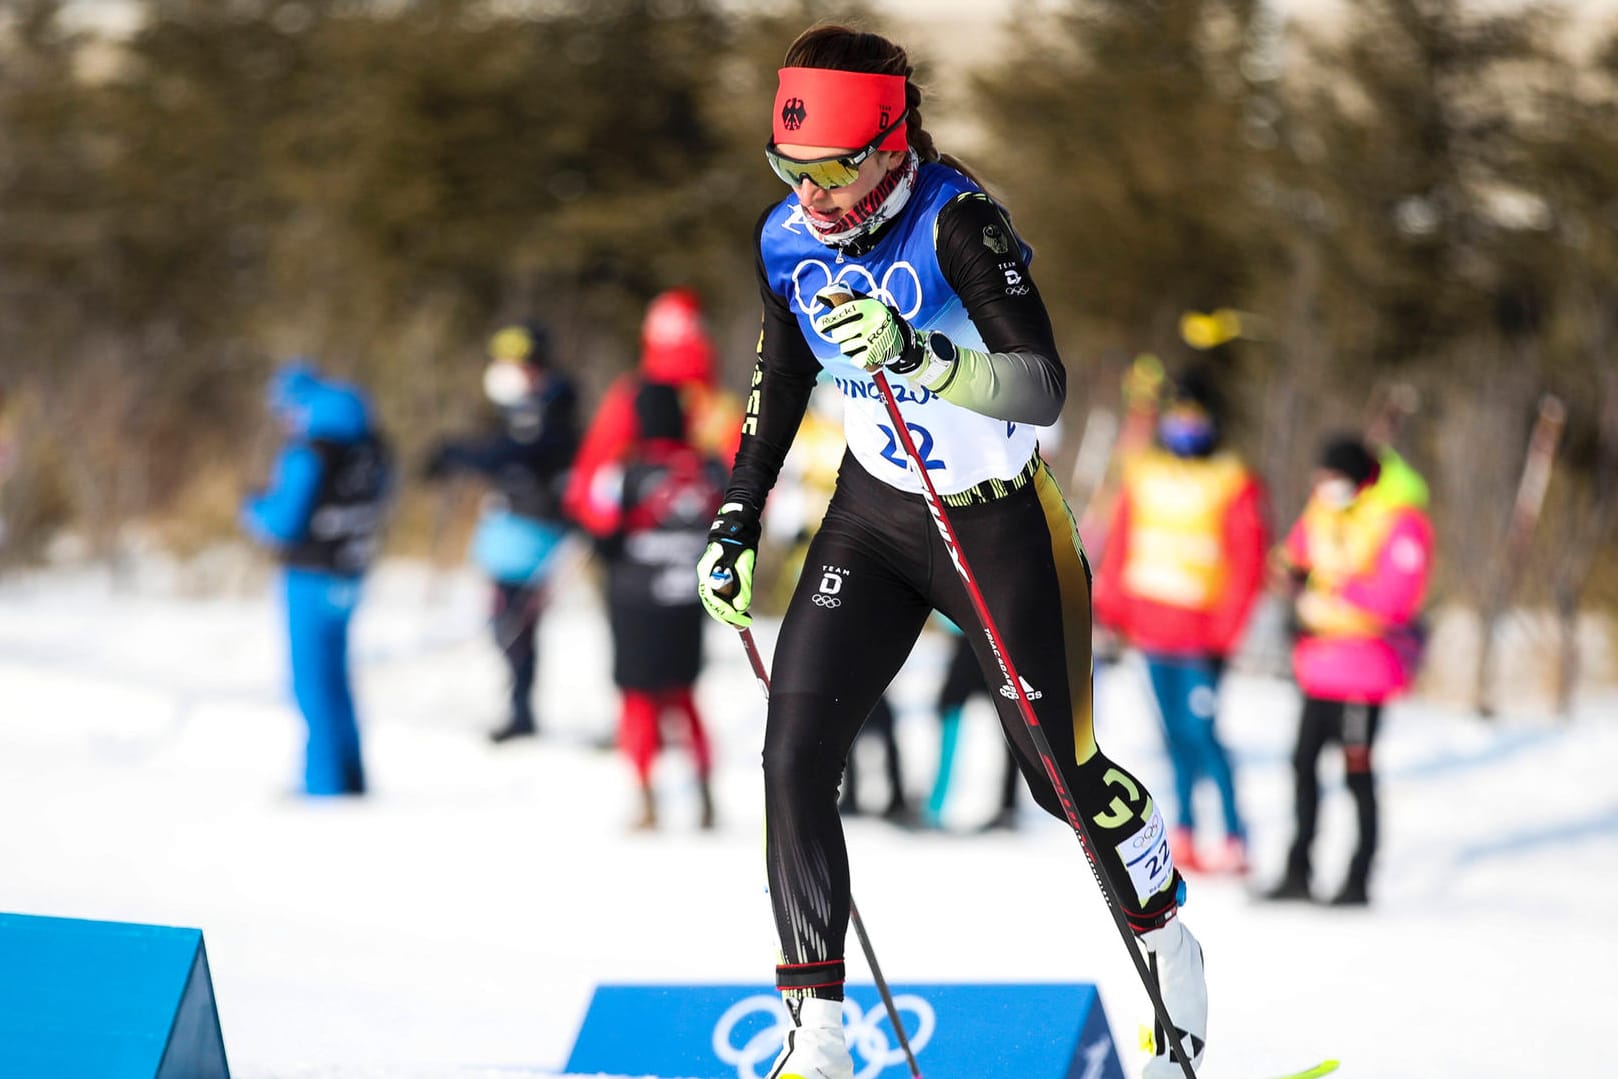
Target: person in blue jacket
526	462
322	513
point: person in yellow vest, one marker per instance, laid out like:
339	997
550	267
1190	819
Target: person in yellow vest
1183	563
1361	550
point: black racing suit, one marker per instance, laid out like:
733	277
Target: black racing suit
871	576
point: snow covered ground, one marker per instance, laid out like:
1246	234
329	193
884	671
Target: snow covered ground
455	923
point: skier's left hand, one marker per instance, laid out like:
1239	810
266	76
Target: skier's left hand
870	332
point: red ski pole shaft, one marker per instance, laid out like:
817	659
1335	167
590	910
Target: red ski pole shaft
1064	795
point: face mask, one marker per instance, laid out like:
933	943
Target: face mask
507	384
1186	434
1338	493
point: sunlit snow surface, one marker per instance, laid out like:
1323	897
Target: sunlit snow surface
455	923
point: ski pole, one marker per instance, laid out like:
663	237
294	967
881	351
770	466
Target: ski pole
882	987
763	676
935	506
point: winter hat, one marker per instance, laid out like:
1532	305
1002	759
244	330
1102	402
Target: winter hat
1198	386
523	342
292	384
657	408
674	341
1346	455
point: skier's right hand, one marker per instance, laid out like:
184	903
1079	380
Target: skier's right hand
725	572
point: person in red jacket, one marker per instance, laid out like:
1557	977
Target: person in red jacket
676	350
657	503
1183	563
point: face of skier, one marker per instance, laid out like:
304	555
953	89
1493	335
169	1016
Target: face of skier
827	205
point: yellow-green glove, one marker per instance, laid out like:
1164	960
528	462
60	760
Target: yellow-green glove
725	571
874	334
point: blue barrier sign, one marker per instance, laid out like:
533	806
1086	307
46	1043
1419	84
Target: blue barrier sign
1043	1031
106	1000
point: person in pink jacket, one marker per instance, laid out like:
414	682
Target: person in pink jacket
1361	551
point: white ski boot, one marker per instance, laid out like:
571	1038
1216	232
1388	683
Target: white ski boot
815	1046
1185	994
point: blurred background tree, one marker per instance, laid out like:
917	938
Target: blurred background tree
1117	139
1421	194
1416	205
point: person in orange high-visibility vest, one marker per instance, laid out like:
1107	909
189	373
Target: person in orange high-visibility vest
1182	566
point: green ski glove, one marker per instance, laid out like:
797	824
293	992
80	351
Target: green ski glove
725	571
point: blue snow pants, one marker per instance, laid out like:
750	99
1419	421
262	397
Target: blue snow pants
319	607
1187	692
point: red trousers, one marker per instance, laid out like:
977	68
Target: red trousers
640	727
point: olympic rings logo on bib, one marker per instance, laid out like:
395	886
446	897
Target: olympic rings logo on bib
899	287
868	1039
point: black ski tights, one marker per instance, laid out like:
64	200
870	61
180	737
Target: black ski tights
873	574
1354	726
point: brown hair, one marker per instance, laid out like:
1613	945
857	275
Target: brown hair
842	48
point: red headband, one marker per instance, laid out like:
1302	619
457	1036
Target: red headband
845	110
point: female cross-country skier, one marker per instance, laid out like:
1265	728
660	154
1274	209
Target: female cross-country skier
945	303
